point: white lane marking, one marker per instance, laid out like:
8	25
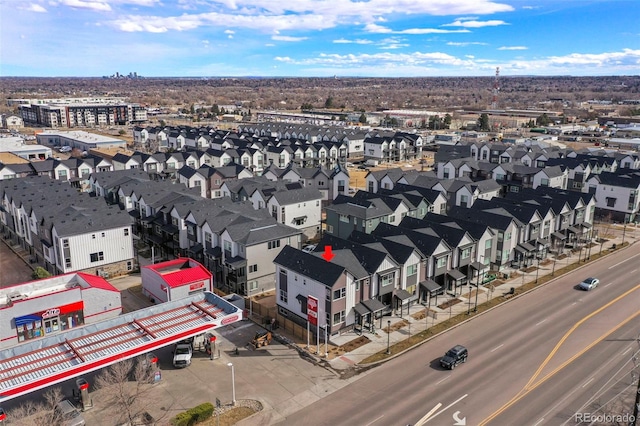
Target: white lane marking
587	382
573	303
370	423
607	285
497	347
437	383
448	406
540	322
538	422
628	349
426	416
620	263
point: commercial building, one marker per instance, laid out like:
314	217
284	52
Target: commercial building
175	279
84	141
50	306
81	113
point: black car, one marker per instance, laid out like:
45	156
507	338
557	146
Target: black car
454	356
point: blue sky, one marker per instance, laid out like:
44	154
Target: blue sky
378	38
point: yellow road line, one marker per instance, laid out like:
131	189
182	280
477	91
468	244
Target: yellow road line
530	386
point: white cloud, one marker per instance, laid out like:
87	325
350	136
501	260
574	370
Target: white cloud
36	8
513	48
465	43
475	24
356	41
229	32
379	29
287	38
98	6
271	16
381	59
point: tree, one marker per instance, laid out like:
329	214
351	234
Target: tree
126	386
543	120
215	109
306	106
40	273
483	122
362	119
329	102
447	121
38	413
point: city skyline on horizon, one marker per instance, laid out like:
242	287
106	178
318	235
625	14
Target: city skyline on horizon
375	38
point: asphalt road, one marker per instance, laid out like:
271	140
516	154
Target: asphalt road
535	360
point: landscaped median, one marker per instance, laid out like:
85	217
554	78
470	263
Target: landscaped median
225	415
498	299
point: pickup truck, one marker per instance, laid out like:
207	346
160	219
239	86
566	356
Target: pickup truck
182	353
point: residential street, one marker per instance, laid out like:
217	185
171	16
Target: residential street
508	347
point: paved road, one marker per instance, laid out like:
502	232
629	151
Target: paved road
509	346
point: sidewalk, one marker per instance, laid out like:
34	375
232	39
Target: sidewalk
414	322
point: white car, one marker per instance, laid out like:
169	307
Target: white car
66	149
182	354
589	284
309	248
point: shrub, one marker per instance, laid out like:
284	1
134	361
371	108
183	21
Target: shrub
195	415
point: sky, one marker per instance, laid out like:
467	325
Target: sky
319	38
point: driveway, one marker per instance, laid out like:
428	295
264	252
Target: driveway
13	270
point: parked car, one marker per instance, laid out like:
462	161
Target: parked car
454	356
309	248
589	284
69	414
182	353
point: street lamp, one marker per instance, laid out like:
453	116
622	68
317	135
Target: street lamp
233	385
388	337
475	307
469	297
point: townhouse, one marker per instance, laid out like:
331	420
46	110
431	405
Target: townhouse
64	230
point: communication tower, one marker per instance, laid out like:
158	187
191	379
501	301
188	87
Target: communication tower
496	89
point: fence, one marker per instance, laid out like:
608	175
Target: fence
297	331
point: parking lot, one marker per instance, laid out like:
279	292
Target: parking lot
275	375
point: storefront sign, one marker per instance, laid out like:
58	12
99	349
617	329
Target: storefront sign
53	312
312	310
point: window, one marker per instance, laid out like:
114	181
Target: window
253	286
544	182
253	268
330	229
442	262
126	232
102	234
338	317
611	202
339	293
344	218
392	218
97	257
67	262
273	244
283	296
129	265
412	270
65	243
507	236
465	253
93	236
387	279
488	244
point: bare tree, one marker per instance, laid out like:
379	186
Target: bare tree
126	388
38	413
